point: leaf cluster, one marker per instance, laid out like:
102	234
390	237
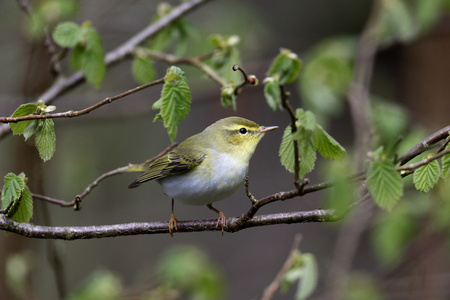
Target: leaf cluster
43	129
175	102
310	137
304	271
87	50
16	200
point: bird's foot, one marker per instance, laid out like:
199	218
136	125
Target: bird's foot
172	224
221	220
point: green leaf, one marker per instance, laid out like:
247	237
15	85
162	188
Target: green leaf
93	58
46	139
306	119
340	196
175	100
272	92
24	212
307	151
227	96
143	70
286	65
446	166
15	190
327	146
76	58
12	188
100	285
225	56
384	183
397	21
67	34
327	74
361	286
428	12
286	151
23	110
427	176
192	272
393	233
31	129
305	272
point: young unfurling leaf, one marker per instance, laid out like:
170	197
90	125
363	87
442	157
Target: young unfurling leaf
175	101
16	191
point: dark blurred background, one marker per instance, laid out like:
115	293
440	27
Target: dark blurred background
413	74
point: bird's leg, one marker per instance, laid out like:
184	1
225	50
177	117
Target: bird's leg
172	221
221	220
249	195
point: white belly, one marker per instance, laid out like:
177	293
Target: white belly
205	184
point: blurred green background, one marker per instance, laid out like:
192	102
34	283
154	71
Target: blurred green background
411	73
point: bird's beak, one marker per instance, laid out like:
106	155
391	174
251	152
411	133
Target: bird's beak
264	129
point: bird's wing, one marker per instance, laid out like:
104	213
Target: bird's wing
173	163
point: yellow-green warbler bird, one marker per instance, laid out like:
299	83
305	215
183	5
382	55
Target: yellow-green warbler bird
208	166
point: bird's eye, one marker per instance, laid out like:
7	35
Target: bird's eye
243	130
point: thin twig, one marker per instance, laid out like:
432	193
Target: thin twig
358	91
62	84
174	60
71	113
270	290
246	79
424	145
287	106
425	161
76	203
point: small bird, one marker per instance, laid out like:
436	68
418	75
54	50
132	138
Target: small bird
207	167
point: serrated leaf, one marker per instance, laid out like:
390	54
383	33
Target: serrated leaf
286	65
309	278
306	119
341	195
12	188
31	129
76	57
327	146
307	151
427	176
272	92
304	270
46	139
384	183
286	151
24	212
327	74
93	58
67	34
143	70
23	110
175	100
446	166
397	21
393	233
227	96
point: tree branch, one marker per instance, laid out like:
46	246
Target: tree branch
270	290
424	145
89	232
194	61
63	84
76	203
71	113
